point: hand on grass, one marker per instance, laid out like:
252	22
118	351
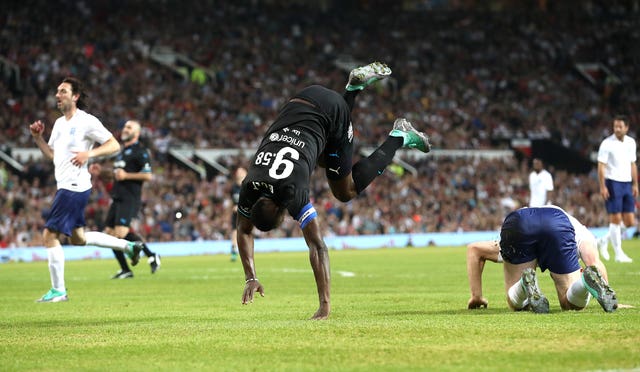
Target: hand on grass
250	289
477	302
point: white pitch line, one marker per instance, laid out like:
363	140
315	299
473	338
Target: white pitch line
346	274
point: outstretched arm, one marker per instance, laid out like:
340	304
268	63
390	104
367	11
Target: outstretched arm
319	259
245	248
477	254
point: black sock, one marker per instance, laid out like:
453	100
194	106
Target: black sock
122	260
367	169
133	237
147	251
350	97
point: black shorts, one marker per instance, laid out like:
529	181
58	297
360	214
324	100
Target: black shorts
121	213
338	129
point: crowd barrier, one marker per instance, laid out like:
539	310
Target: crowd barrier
209	247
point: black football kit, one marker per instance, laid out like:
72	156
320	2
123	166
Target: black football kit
316	122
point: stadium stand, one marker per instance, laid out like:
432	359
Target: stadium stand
201	76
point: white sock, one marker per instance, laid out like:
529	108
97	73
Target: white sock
623	231
517	295
101	239
578	295
616	238
55	257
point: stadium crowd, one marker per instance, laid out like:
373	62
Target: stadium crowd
473	78
447	194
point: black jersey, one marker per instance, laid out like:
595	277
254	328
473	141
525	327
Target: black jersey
132	159
289	151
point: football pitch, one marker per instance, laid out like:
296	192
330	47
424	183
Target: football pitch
392	309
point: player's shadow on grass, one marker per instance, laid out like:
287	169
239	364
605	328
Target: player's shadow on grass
64	323
456	312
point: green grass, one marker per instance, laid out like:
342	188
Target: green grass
403	309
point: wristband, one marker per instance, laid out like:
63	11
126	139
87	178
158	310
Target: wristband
251	280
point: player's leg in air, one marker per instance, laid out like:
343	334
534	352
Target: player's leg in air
347	185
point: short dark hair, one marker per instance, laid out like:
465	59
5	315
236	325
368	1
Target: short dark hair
266	214
77	88
622	118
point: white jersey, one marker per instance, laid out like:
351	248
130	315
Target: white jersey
78	134
618	156
539	185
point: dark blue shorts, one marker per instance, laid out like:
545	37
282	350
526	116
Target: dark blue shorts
67	211
545	234
621	198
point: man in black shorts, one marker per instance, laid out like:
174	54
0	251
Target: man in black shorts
131	168
314	127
